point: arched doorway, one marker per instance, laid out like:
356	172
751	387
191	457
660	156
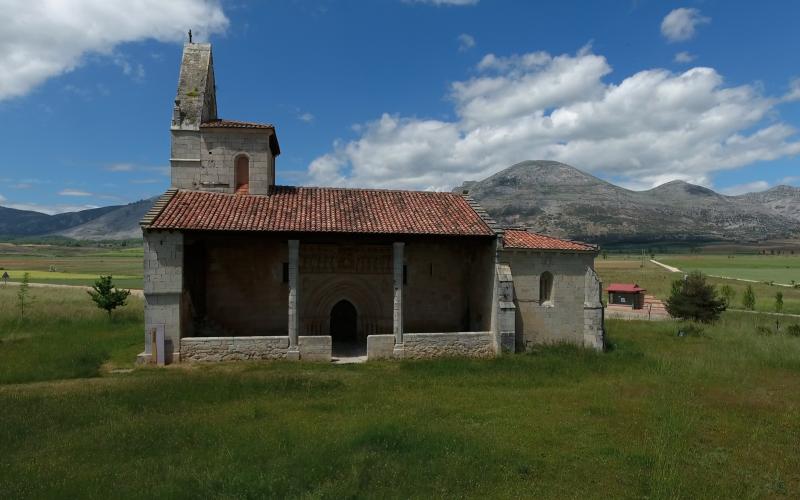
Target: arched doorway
344	330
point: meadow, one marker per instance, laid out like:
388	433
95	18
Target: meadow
657	415
776	268
66	265
628	268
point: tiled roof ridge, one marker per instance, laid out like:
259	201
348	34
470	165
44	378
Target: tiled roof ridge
349	210
158	207
484	215
521	227
381	190
226	123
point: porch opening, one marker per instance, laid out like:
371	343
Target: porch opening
344	330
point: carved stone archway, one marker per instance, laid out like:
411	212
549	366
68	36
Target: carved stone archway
371	302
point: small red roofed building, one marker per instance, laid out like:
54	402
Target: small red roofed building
237	267
626	294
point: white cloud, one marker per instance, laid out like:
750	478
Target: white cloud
305	117
444	2
749	187
120	167
73	192
652	124
794	91
684	57
681	24
465	42
41	39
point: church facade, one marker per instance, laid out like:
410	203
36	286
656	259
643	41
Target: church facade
237	267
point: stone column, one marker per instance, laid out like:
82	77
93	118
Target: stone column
294	320
397	310
593	312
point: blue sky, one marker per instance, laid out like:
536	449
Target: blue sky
407	94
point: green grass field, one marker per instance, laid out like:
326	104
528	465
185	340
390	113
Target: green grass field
657	416
657	280
73	265
778	268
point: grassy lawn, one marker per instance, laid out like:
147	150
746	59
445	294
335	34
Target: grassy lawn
73	265
657	280
658	416
777	268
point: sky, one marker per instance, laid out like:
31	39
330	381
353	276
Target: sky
406	94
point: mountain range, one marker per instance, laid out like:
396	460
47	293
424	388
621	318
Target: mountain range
560	200
545	196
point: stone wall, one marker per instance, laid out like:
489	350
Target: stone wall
233	348
380	347
236	284
434	345
185	158
218	151
315	347
163	285
449	285
562	318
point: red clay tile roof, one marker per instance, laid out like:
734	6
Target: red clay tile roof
234	124
305	209
624	288
520	238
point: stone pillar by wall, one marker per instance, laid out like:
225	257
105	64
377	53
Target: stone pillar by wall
506	310
163	286
294	263
397	310
593	321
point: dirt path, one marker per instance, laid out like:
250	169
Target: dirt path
668	268
134	292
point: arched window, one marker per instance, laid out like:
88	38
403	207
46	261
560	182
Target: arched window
242	174
545	287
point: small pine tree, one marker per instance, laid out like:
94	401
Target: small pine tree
749	298
22	293
779	302
106	295
728	294
694	299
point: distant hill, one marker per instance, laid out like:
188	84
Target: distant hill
122	223
15	222
107	223
558	199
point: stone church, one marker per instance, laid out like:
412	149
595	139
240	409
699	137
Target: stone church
237	267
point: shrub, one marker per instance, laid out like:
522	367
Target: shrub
749	298
728	294
694	299
779	302
107	296
793	330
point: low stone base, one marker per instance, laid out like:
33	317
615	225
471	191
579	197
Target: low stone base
233	348
315	347
434	345
380	347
